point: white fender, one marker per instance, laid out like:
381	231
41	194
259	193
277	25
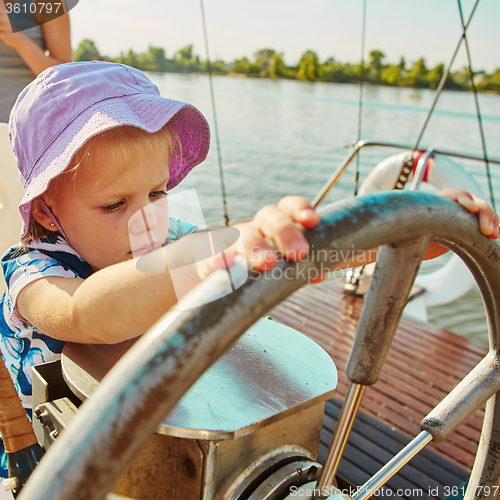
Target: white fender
454	279
11	193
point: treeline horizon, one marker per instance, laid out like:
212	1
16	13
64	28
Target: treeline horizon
267	63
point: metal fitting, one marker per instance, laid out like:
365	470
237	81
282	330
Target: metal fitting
10	483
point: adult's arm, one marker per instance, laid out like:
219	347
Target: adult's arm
57	41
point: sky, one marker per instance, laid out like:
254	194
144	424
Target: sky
332	28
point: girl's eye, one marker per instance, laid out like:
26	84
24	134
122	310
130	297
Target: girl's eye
112	207
158	194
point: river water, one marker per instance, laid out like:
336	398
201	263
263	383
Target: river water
261	119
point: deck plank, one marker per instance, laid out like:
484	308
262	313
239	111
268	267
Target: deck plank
423	365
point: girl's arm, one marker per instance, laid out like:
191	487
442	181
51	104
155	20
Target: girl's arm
57	41
114	304
120	302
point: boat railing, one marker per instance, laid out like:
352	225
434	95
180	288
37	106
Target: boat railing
342	168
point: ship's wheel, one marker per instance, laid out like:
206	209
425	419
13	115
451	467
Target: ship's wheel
147	383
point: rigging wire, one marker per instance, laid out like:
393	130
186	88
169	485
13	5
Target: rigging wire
354	276
478	111
216	128
361	88
408	163
443	80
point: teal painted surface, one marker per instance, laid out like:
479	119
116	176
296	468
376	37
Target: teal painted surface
271	369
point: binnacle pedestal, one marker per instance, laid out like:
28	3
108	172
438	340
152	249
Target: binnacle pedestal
249	426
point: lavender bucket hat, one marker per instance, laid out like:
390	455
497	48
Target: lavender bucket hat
66	105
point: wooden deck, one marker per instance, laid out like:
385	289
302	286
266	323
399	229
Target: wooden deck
423	365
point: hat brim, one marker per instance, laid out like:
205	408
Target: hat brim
148	112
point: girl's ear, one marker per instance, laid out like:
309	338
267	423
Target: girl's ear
40	216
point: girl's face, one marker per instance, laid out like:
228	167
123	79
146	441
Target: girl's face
111	213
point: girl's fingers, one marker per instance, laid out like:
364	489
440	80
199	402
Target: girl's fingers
466	200
488	219
259	253
299	210
278	226
319	279
218	261
462	197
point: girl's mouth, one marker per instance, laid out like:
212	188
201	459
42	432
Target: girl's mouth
137	252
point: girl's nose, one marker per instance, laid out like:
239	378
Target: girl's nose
143	220
151	216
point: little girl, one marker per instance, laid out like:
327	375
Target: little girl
95	143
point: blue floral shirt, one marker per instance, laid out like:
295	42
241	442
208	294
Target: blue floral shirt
22	345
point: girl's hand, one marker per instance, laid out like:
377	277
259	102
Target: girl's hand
488	219
283	225
280	225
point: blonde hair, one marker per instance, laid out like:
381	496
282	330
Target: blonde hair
125	145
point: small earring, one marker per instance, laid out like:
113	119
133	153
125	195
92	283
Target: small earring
52	224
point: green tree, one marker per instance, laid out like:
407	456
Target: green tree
490	83
241	66
459	79
269	63
186	60
333	71
218	67
376	65
263	58
391	75
435	75
246	67
153	60
130	58
493	81
185	54
355	73
277	68
417	75
402	70
308	68
87	51
195	64
394	74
